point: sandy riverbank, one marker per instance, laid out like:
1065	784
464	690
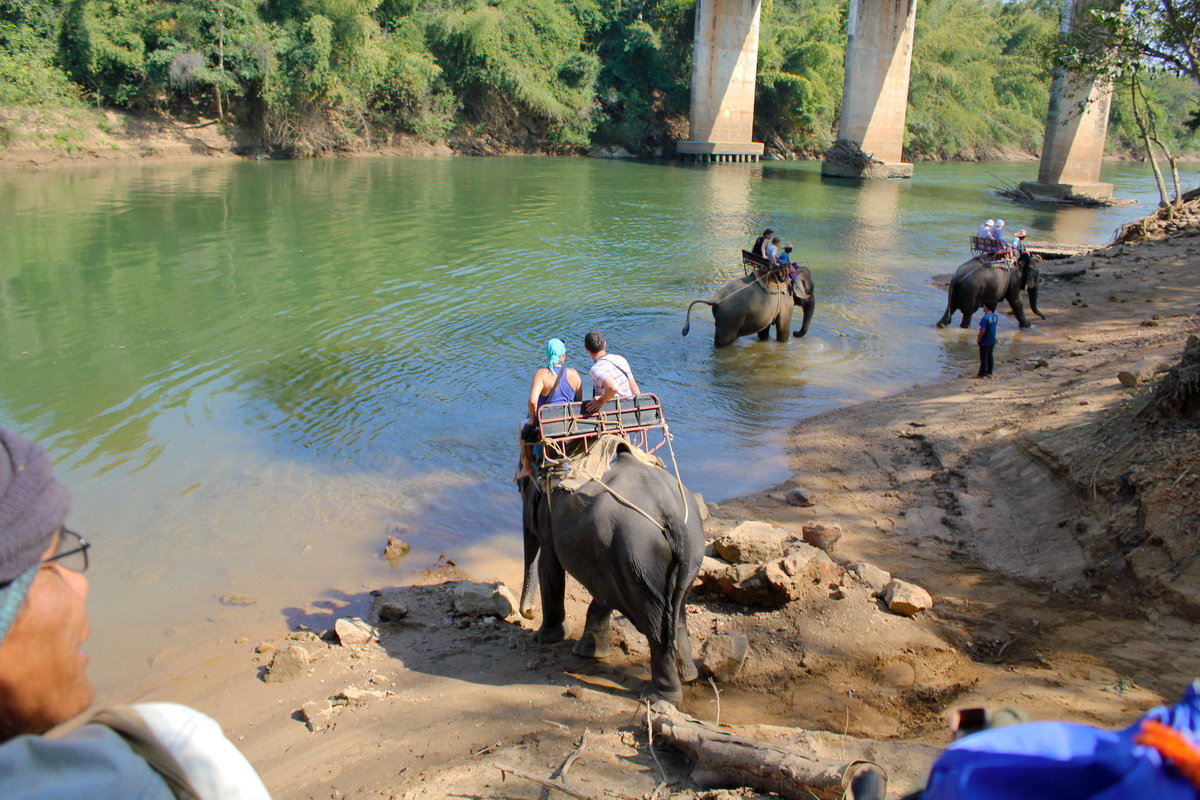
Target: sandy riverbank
1020	503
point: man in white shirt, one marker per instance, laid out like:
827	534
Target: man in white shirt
610	374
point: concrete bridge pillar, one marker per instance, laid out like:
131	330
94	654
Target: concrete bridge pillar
1076	127
875	89
724	65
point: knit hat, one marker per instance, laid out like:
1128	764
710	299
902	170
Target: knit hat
32	508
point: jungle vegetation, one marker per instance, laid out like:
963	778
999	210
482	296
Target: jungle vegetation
552	75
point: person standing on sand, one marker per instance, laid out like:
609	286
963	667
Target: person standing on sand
986	339
610	374
152	751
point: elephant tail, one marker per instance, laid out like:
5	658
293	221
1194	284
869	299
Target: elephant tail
687	325
679	581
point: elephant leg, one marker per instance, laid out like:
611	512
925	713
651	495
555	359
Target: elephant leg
783	323
596	639
664	675
967	313
1018	308
764	333
554	586
683	654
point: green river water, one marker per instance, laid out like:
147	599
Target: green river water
249	374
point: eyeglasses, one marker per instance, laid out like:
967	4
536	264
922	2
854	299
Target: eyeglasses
72	551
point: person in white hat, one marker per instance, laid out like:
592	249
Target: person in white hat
998	232
985	230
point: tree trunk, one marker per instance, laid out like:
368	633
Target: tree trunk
724	760
1141	371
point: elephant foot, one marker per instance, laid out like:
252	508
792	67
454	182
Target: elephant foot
590	647
550	635
653	694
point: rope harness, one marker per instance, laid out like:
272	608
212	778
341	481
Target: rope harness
549	475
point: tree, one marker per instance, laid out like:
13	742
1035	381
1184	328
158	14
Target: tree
1123	44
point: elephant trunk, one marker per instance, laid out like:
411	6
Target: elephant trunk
687	325
530	496
1033	296
1031	285
809	306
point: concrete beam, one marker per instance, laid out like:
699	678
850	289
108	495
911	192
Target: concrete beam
875	89
724	66
1076	128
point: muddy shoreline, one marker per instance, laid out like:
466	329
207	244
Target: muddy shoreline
989	494
41	138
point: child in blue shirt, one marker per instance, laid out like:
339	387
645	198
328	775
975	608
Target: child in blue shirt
986	339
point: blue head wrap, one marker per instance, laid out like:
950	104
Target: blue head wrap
555	349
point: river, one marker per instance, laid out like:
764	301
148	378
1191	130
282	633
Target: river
249	374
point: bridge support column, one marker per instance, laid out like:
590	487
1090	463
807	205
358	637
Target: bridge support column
1076	127
724	65
875	89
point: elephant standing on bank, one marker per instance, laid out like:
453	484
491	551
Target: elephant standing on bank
976	282
640	561
752	305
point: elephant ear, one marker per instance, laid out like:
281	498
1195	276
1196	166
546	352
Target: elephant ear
799	291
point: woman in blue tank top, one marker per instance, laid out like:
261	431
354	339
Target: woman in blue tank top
553	383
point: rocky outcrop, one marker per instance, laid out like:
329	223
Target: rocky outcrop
473	599
751	543
352	630
723	655
288	664
771	584
906	598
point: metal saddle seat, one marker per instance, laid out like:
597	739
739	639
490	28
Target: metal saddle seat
992	252
566	429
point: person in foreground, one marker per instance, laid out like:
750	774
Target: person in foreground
610	374
986	339
553	383
149	751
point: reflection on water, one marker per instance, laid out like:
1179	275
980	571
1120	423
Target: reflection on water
249	374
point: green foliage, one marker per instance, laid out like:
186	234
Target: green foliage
564	74
800	57
979	81
646	73
522	56
103	49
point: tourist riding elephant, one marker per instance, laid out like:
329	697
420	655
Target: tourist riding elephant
635	543
976	282
749	305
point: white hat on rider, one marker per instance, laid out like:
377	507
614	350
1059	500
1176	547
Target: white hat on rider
991	223
999	223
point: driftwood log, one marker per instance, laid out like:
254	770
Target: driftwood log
1141	371
724	760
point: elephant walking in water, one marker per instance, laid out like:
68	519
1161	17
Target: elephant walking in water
752	305
638	554
976	282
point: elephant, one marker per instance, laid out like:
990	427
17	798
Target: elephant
635	543
748	305
976	282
